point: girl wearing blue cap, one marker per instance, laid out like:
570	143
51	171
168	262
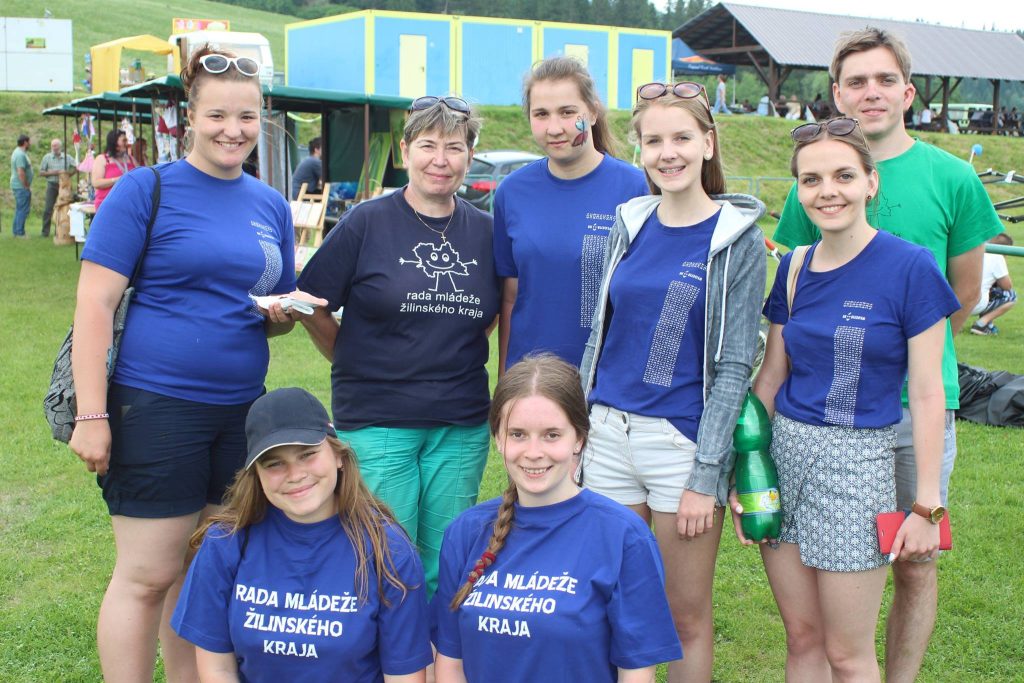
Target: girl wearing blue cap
304	574
550	582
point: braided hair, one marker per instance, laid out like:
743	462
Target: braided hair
542	375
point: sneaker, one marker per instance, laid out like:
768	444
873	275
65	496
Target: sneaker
993	329
983	330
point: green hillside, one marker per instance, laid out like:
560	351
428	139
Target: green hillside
98	22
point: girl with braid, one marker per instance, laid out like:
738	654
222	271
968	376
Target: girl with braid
549	582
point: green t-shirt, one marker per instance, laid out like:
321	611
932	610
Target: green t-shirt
20	160
929	197
60	162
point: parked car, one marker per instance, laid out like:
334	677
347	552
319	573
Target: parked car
487	170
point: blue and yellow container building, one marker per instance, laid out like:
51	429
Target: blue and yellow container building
483	59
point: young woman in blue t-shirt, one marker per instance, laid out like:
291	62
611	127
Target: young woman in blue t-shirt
864	309
304	575
551	217
550	582
166	435
669	357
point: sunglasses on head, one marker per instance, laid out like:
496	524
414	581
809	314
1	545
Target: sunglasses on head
218	64
454	103
685	90
809	131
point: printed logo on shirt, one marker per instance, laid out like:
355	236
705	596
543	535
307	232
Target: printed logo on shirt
848	351
273	265
308	615
522	594
442	264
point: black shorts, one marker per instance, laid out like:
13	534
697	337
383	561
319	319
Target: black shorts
169	457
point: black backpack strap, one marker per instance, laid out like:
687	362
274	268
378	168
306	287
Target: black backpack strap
154	205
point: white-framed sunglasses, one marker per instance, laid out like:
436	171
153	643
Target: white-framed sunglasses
218	64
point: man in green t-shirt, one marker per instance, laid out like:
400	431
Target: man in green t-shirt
53	164
933	199
21	184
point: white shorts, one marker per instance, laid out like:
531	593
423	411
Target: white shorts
635	459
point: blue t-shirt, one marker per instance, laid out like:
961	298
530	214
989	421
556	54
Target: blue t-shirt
193	331
652	361
847	339
412	347
577	591
289	607
551	234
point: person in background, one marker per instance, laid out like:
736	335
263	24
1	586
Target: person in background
414	273
299	521
21	184
53	164
997	293
552	216
927	197
111	166
140	152
309	170
167	434
587	566
721	97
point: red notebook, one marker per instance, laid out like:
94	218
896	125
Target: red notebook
889	523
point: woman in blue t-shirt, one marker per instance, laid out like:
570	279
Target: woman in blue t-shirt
414	272
861	309
669	357
166	436
549	582
551	217
304	575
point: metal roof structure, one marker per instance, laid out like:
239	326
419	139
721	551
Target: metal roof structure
776	41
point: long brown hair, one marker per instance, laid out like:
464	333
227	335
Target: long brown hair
712	176
571	69
542	375
364	518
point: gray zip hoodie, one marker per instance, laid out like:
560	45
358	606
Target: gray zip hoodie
735	283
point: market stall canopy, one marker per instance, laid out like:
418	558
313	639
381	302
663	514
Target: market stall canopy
687	62
106	58
107	106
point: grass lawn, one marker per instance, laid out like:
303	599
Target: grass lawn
57	550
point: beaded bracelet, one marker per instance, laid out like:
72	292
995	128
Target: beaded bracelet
92	416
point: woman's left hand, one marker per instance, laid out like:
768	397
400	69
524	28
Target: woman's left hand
916	541
696	514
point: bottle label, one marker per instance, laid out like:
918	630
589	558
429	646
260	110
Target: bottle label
765	500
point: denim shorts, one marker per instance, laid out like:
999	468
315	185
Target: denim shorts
635	459
906	468
169	457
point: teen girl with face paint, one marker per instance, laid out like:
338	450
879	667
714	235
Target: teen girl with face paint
552	217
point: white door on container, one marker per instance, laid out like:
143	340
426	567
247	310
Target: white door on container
412	66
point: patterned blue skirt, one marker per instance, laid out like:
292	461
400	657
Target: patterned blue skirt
833	481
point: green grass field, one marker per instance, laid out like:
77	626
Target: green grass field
57	552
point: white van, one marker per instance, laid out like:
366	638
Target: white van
252	45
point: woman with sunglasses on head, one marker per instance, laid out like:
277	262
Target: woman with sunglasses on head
304	576
111	166
851	316
415	275
551	217
548	582
670	353
166	436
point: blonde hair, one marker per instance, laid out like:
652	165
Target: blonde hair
712	175
364	518
571	69
869	38
542	375
444	120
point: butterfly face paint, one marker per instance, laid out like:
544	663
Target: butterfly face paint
581	138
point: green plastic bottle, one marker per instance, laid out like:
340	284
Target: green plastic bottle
757	481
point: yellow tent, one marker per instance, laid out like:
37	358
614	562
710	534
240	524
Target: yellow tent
106	59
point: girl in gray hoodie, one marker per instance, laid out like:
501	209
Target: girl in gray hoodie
670	351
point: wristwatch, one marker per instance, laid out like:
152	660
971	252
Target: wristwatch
933	515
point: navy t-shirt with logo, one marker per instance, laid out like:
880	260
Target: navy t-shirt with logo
412	347
847	336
